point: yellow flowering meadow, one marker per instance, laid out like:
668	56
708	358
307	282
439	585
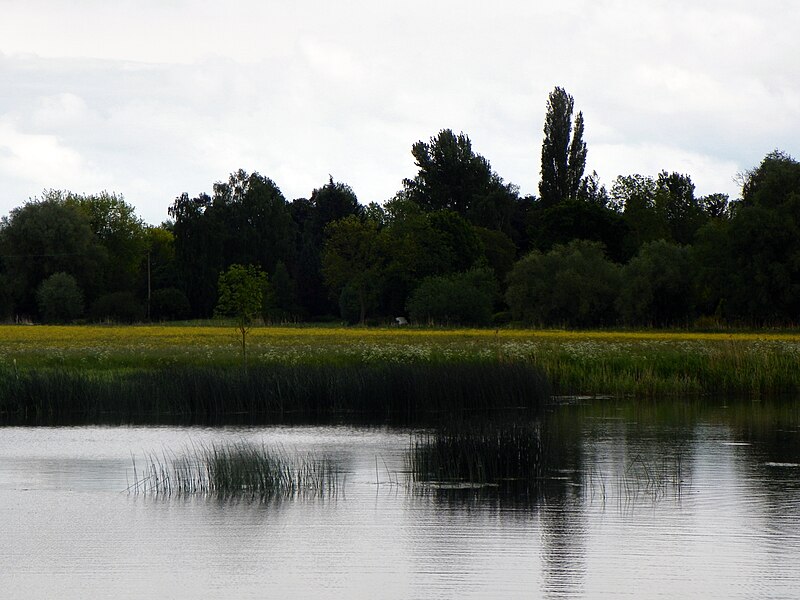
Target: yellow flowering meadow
133	347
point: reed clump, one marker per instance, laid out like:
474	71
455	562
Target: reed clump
239	470
478	455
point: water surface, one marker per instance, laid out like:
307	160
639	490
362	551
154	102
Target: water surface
660	501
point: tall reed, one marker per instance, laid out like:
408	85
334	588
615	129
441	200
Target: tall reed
478	454
378	391
236	471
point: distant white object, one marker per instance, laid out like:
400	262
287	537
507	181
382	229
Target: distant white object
401	320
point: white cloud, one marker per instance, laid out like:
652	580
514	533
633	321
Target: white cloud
40	161
152	98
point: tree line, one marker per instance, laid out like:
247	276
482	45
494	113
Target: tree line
455	245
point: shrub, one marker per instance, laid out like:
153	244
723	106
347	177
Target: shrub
59	298
169	304
461	298
119	306
573	285
657	286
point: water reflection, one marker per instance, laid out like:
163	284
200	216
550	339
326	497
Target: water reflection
631	499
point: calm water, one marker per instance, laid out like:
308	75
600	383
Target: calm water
667	501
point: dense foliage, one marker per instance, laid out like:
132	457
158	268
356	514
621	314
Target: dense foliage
456	244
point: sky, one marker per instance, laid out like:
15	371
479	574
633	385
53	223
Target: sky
153	98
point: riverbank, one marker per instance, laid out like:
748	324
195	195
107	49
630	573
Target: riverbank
336	369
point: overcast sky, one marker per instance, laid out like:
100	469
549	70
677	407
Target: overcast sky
152	98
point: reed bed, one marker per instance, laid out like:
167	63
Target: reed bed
236	471
476	456
399	392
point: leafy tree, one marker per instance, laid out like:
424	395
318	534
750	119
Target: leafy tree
749	264
44	237
459	237
255	220
635	197
329	203
579	220
657	286
573	285
664	208
118	230
460	298
677	206
563	150
715	206
354	257
246	221
499	251
199	249
774	183
60	298
241	295
452	177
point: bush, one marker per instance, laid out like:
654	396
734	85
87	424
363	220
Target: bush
169	304
573	285
502	318
657	286
462	298
60	299
120	306
349	306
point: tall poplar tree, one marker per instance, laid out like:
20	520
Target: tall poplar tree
563	150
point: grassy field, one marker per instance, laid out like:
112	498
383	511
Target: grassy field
646	363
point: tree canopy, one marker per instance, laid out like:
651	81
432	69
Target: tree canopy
647	251
563	150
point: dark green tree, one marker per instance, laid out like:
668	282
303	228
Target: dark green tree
354	261
715	206
499	251
563	150
44	237
169	304
457	299
657	286
677	206
329	203
452	177
635	197
119	231
580	220
749	263
60	298
573	285
774	183
247	221
118	307
280	299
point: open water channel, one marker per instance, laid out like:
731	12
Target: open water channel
667	501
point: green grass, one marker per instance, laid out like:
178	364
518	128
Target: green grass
236	471
194	374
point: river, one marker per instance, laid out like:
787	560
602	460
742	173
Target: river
669	500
